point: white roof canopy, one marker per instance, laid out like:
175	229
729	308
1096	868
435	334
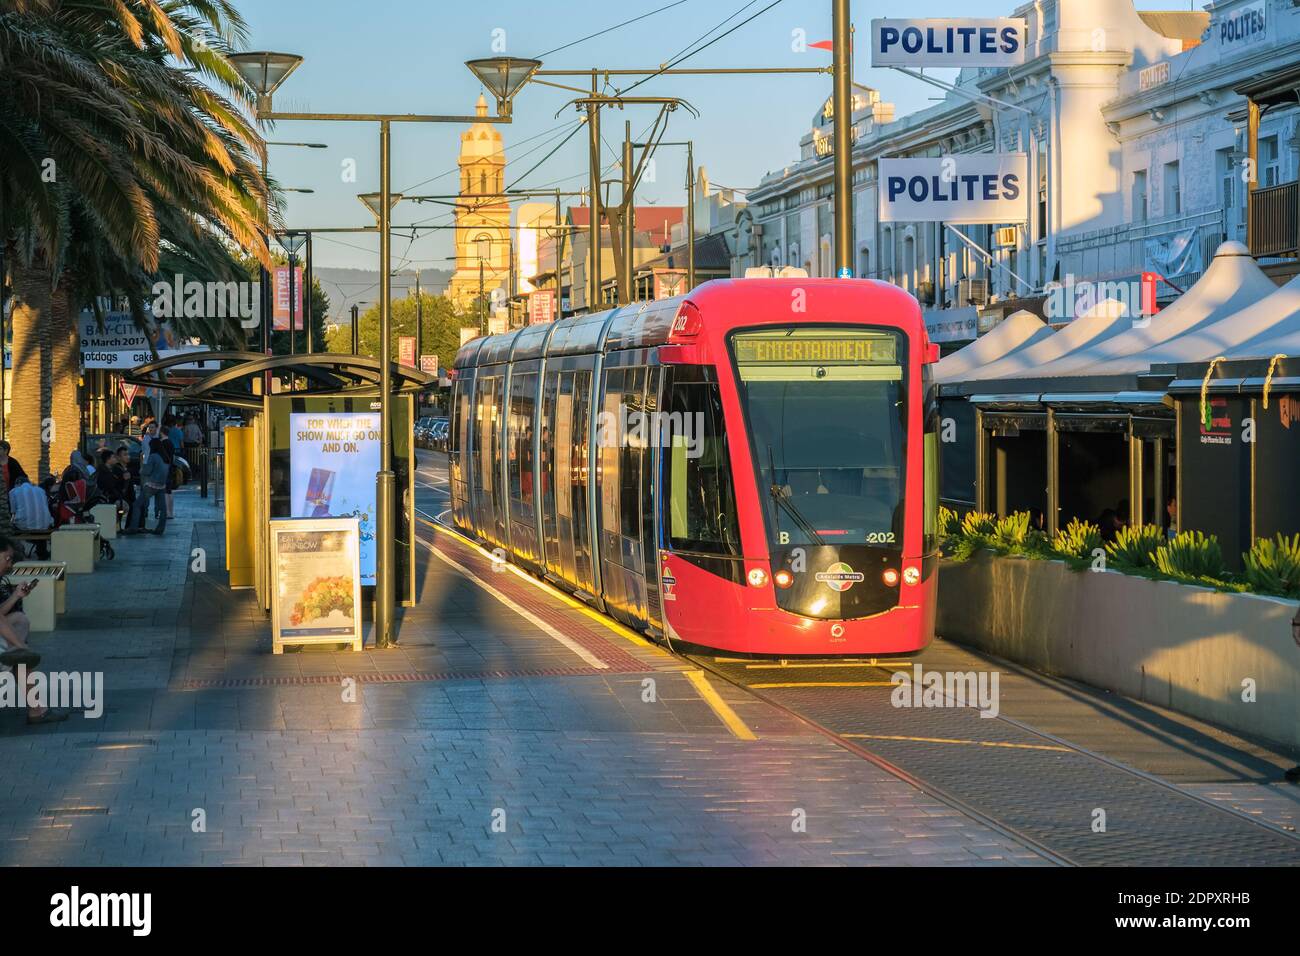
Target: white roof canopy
1103	321
1234	310
1232	283
1017	331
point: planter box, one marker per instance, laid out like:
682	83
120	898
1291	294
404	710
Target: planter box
1186	648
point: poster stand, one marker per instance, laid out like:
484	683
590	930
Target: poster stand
315	582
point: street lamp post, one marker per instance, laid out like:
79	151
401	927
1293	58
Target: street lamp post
503	77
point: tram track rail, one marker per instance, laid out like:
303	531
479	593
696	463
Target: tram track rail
1158	822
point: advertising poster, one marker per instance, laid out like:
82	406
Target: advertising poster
333	458
317	582
280	307
406	350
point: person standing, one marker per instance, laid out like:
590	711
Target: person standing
193	439
153	486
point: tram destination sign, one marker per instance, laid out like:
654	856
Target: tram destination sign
755	350
955	42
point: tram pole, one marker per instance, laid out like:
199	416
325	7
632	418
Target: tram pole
842	104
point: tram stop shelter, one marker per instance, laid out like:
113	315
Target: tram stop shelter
287	462
1083	418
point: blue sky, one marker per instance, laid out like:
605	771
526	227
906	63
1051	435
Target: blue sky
407	56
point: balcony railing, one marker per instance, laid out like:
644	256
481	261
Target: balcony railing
1274	227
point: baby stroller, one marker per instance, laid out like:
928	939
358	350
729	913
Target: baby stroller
75	500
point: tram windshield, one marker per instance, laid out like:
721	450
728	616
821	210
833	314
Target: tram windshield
827	420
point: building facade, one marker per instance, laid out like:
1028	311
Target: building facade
482	219
1137	142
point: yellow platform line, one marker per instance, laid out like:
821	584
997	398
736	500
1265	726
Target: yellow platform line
833	683
947	740
624	632
720	707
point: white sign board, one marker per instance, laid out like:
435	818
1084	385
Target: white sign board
1243	27
333	458
972	188
121	345
999	41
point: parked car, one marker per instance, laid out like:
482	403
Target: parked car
439	434
422	428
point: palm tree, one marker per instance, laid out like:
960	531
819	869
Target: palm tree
123	153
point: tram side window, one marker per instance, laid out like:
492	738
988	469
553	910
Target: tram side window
700	493
523	390
460	419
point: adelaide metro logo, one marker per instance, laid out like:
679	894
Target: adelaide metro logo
840	577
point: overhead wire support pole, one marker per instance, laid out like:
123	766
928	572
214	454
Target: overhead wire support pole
842	101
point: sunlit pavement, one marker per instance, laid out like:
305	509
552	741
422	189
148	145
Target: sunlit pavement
481	739
509	727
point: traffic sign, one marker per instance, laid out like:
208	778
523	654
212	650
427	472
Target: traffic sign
129	391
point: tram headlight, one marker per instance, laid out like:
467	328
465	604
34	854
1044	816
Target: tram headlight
757	577
911	574
783	578
890	577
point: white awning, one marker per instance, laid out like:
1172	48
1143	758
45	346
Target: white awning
1232	282
1019	330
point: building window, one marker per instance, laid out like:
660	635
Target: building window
1140	195
1042	193
1270	168
1173	197
1226	172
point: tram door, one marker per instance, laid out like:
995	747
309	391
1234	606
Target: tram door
488	415
650	501
566	420
622	457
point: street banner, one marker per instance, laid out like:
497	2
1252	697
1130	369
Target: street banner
429	364
120	344
669	282
541	307
333	459
316	594
953	42
964	188
280	309
406	350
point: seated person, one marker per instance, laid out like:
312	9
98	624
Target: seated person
30	507
15	628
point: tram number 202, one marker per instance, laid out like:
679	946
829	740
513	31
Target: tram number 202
880	537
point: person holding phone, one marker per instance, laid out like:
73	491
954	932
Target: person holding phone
15	629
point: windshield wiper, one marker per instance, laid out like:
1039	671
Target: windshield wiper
782	498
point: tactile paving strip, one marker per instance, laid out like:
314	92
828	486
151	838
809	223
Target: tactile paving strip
1028	783
387	677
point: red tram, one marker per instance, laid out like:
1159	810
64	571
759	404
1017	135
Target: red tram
751	468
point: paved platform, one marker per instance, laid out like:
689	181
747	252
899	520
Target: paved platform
481	739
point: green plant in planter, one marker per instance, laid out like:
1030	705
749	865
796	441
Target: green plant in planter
978	524
1078	539
948	522
1136	547
1012	531
1192	556
1274	565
